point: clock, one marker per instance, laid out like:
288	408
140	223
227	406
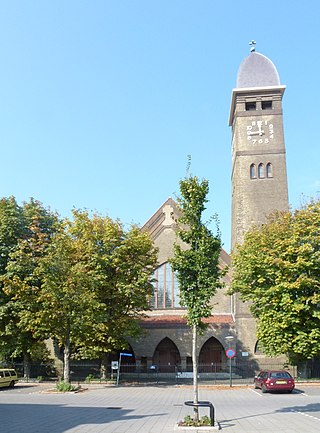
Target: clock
260	132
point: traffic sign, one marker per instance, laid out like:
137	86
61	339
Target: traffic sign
114	365
230	353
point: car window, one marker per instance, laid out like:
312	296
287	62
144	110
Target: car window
280	375
1	374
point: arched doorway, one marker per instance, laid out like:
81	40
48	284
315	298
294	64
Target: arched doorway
211	356
166	356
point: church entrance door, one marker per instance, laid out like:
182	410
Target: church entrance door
166	356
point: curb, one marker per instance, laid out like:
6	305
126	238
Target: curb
204	429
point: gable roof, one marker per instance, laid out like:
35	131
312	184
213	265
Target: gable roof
166	216
161	220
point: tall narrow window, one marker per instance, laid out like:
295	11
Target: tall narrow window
166	288
269	170
169	292
260	171
253	174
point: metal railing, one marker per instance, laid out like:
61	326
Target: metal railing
213	373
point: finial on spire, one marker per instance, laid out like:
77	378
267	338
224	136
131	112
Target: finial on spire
252	46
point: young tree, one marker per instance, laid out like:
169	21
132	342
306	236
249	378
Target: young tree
197	265
277	269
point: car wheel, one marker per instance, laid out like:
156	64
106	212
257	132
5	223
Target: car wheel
11	384
263	388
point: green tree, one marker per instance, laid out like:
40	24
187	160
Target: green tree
124	263
12	228
196	262
65	304
34	228
95	280
277	270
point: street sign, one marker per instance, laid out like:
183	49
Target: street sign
121	355
230	353
114	365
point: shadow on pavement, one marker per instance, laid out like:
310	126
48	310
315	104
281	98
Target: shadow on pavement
59	418
19	387
313	407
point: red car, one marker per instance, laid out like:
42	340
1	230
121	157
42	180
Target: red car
274	380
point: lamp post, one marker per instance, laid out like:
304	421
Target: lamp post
230	354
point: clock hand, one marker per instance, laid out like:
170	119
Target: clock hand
260	129
255	132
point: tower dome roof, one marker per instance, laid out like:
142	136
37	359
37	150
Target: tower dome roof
256	70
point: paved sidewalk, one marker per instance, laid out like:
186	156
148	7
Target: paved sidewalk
154	409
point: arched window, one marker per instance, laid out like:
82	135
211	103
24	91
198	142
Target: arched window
260	171
253	173
269	170
166	288
257	349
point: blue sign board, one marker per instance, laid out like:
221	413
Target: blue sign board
230	353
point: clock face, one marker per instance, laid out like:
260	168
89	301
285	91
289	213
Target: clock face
260	132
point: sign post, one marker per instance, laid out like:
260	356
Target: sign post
119	366
230	354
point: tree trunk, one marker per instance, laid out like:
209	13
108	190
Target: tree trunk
104	366
66	360
195	370
26	365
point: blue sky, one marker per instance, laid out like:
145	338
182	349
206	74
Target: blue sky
102	101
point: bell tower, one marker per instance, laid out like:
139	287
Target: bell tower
259	177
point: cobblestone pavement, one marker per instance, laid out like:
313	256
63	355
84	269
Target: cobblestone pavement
155	409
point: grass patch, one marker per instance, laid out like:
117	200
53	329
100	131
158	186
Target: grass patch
63	386
188	421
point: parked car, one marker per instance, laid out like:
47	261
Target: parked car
274	380
8	377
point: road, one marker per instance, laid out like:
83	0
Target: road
155	409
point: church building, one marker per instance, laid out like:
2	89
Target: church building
259	186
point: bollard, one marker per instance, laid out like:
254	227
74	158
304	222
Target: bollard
203	404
